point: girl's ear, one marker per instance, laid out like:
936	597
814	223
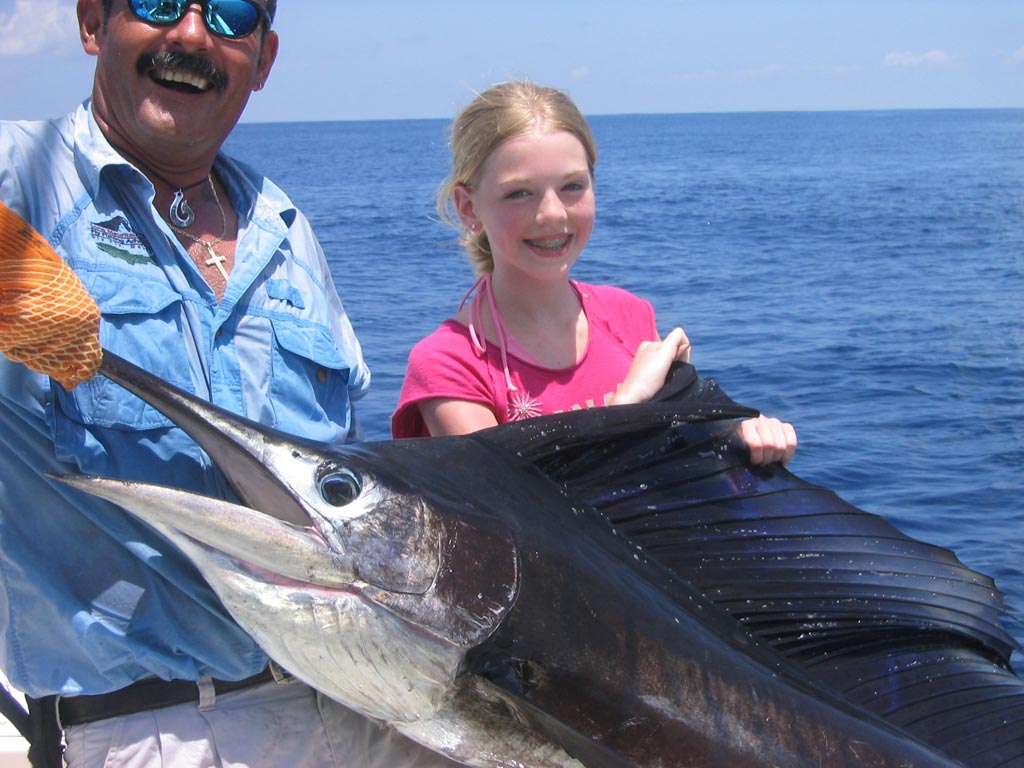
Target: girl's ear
464	207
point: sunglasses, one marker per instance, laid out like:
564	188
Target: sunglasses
224	18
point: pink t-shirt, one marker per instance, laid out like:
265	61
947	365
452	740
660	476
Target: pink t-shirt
447	364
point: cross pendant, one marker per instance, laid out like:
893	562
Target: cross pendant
216	260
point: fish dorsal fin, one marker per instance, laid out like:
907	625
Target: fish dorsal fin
833	587
685	399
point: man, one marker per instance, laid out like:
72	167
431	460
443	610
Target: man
206	274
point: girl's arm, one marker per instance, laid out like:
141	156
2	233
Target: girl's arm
448	416
768	439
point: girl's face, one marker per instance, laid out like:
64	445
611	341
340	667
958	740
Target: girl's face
535	201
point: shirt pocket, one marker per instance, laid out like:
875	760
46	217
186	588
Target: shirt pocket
140	322
309	385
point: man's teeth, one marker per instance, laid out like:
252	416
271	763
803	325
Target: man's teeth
186	78
551	245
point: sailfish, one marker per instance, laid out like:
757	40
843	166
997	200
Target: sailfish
605	588
616	587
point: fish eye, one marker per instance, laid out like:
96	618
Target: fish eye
340	488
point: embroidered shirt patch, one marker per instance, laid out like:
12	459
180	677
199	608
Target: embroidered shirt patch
116	237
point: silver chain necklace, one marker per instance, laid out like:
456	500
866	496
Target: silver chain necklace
215	260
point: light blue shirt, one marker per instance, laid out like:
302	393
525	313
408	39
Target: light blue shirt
91	599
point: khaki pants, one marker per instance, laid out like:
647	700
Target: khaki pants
286	725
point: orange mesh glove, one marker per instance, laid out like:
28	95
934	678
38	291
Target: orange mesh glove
47	319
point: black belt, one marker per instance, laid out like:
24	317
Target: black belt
145	695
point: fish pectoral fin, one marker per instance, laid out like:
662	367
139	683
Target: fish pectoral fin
510	687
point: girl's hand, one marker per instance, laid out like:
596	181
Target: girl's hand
769	440
650	367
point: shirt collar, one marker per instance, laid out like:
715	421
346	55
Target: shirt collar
260	201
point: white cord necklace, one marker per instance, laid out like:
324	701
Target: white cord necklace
180	212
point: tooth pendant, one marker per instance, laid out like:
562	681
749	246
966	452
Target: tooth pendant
180	211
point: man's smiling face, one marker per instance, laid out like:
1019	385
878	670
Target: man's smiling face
161	86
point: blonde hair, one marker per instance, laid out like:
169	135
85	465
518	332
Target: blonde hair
503	112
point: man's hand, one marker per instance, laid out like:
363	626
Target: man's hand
47	319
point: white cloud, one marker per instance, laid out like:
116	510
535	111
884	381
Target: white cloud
908	59
580	73
1017	56
37	25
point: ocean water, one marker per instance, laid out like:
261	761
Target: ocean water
860	274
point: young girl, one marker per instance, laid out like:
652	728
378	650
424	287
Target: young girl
531	341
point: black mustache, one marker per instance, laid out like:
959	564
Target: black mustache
188	62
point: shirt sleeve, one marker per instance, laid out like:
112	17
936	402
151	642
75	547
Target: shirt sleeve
444	364
629	317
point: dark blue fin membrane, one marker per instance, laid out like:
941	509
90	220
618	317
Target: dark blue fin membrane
899	626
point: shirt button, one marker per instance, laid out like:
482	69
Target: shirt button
321	375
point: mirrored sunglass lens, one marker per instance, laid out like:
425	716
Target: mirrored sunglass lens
228	18
232	18
159	11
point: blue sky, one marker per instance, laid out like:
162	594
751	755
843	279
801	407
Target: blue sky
377	59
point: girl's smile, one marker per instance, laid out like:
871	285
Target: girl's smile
554	245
